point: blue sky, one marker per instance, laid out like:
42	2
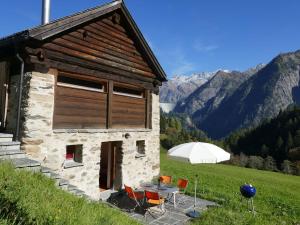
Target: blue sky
192	35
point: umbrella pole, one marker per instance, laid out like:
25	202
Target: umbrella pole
194	213
195	199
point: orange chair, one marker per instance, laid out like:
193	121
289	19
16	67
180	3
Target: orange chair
154	199
135	196
182	185
165	179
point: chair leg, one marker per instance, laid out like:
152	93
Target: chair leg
162	207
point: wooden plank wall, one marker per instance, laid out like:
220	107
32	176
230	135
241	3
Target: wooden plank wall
104	50
128	112
75	108
103	46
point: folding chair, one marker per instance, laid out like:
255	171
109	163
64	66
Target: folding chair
154	199
165	179
136	196
182	186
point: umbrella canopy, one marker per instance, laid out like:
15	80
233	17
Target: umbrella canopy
198	152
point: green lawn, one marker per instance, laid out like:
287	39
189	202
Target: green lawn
277	200
31	198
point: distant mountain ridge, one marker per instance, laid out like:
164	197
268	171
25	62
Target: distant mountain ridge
262	96
179	87
230	100
208	96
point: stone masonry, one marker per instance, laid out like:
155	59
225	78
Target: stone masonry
48	146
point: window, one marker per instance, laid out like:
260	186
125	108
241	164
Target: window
80	84
140	149
74	153
120	90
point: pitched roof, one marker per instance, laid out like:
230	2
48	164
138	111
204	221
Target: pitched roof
55	27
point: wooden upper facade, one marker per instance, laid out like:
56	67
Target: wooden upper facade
104	70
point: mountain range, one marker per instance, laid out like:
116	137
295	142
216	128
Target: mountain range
230	100
181	86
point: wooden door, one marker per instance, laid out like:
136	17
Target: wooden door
107	165
3	93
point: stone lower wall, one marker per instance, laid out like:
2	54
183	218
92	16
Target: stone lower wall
49	146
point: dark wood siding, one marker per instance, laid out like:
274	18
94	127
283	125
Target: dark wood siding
76	108
104	45
106	51
128	112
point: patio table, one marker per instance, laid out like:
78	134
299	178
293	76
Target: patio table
162	189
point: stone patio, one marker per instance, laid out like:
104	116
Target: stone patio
172	216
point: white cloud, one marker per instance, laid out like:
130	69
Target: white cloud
179	63
202	47
174	59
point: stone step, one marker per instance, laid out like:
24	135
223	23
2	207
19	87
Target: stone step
63	182
12	154
45	169
104	195
25	162
7	146
6	137
78	192
72	187
54	176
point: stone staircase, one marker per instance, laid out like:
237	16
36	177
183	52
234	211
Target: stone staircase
10	150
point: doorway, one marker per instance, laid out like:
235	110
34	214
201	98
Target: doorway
110	165
3	93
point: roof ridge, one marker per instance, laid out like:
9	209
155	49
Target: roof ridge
78	13
32	29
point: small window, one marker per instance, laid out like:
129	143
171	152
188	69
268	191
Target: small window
74	153
140	149
119	90
80	84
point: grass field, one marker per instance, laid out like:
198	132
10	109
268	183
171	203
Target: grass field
34	199
27	198
277	200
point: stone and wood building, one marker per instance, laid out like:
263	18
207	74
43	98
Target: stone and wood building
81	95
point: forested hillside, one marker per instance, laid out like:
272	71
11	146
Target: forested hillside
278	139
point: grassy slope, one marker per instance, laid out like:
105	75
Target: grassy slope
277	200
34	199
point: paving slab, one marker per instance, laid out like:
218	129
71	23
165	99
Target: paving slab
173	215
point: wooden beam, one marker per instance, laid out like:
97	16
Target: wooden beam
108	65
120	37
109	103
116	26
89	70
107	48
100	37
91	49
148	108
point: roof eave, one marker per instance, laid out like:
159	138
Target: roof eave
14	39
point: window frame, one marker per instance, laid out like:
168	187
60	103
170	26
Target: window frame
74	153
129	87
138	144
81	87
